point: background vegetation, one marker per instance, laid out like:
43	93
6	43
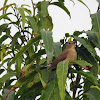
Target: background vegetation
32	47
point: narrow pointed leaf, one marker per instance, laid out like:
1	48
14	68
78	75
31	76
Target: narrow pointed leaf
62	70
3	16
82	63
57	49
47	93
33	23
44	6
23	49
48	41
61	5
21	11
84	4
87	45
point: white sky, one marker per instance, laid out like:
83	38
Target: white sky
80	19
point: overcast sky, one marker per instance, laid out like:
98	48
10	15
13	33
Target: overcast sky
80	16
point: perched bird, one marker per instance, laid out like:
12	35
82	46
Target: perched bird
68	54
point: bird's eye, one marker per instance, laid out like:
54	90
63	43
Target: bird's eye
69	42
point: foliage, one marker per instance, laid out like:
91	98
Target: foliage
21	59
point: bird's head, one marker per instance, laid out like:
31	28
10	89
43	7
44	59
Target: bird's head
70	44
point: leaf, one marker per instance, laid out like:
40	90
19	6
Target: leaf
4	15
82	63
96	22
61	5
57	49
84	4
27	10
98	2
93	94
3	27
88	75
33	23
56	91
6	77
43	83
61	0
23	49
44	6
48	42
62	70
4	5
1	71
87	45
21	11
47	93
10	96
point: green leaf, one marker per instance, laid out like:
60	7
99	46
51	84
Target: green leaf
44	6
10	96
3	38
33	23
21	11
47	93
1	71
4	5
84	4
56	91
48	42
57	49
82	63
23	49
27	10
93	94
6	77
3	27
62	70
98	2
88	75
96	22
4	15
61	0
87	45
61	5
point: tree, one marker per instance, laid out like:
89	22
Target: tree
24	56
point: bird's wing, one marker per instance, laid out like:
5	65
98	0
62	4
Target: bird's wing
61	57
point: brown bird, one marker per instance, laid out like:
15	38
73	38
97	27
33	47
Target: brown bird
68	54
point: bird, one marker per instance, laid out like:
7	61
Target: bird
69	53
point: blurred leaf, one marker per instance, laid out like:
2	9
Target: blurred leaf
88	75
1	71
31	51
44	6
23	49
10	96
43	83
62	70
4	15
48	42
27	10
21	11
7	77
3	27
47	93
68	97
84	4
33	23
18	65
87	45
57	49
96	22
82	63
61	5
98	2
56	91
93	94
61	0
